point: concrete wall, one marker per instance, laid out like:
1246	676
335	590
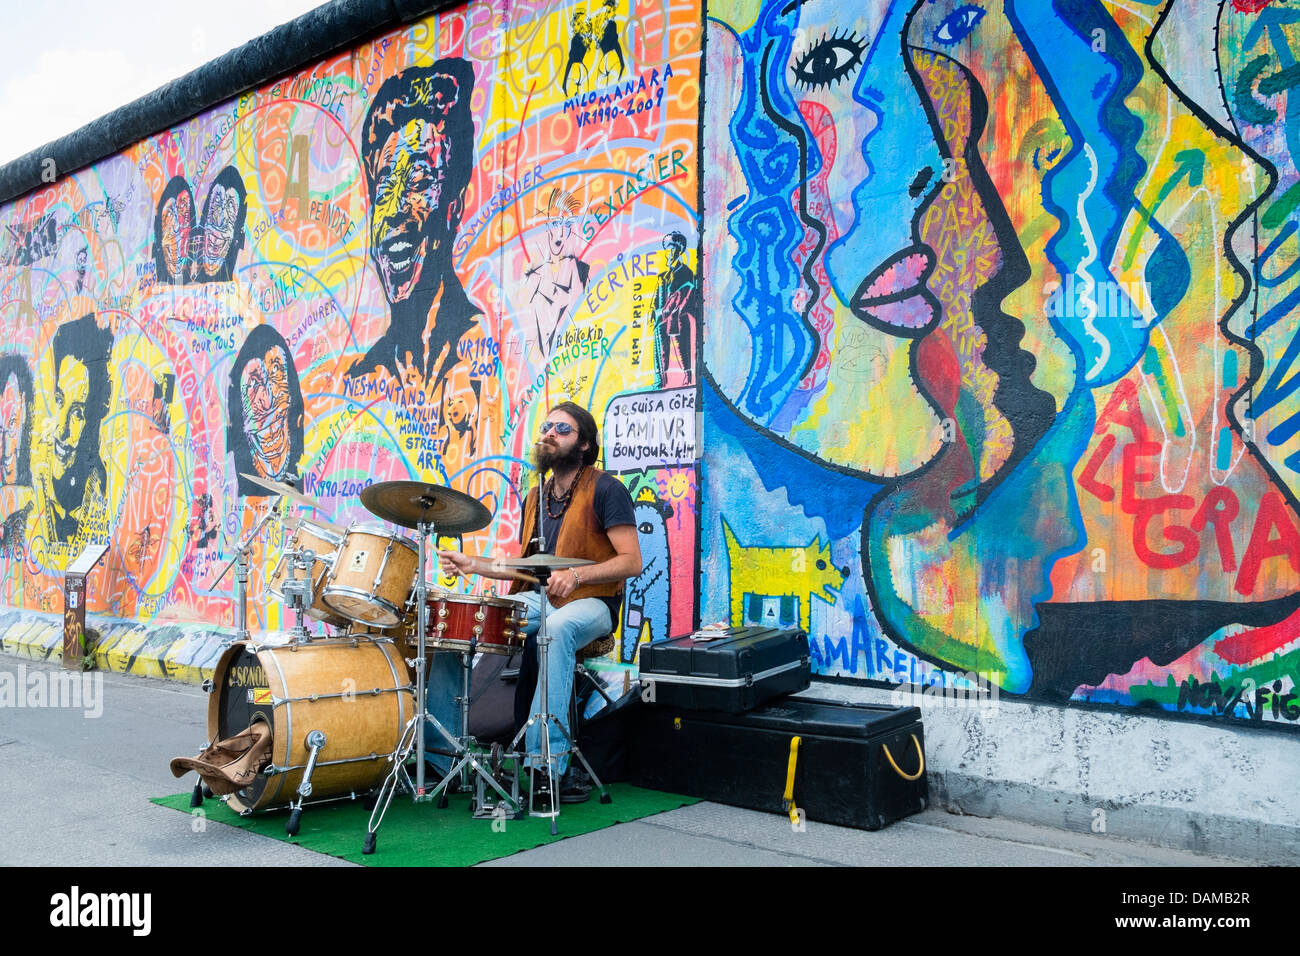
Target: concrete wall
957	334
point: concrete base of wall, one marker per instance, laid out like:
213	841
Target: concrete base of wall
1224	790
184	652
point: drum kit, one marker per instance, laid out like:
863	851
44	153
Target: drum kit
336	704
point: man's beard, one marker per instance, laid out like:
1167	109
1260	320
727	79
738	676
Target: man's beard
547	458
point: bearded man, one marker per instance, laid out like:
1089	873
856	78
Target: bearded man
578	512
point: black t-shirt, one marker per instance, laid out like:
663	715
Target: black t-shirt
613	507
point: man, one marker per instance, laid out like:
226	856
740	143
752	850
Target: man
676	311
579	512
417	150
174	232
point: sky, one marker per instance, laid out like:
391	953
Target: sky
65	63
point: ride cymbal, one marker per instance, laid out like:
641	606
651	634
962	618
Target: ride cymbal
410	503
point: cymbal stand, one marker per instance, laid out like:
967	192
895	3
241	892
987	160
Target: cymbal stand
545	719
240	563
413	735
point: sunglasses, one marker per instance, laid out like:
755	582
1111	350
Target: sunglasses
561	428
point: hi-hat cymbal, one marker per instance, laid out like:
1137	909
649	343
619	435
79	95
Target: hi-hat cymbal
280	488
409	503
552	561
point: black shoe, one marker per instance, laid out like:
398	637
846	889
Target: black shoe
571	790
575	785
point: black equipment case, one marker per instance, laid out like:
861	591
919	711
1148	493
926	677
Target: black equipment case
730	670
856	765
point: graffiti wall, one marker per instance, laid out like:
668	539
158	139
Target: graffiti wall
1001	311
959	334
386	267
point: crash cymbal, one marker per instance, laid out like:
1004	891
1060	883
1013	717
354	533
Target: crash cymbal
280	488
552	561
410	502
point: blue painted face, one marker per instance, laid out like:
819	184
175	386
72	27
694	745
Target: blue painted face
869	140
838	159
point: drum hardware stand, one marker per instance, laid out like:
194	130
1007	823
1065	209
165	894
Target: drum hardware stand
240	564
470	759
315	740
299	591
545	719
415	730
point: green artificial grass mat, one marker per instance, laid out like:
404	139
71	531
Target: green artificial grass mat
422	835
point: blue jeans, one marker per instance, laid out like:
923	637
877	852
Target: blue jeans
571	628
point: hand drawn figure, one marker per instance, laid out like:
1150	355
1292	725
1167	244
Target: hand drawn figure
677	310
580	46
67	466
605	29
15	451
15	421
556	282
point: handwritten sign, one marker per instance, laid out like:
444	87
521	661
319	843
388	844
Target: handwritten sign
650	430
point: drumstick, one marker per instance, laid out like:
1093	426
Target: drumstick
517	575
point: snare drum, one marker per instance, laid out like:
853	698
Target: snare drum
325	545
496	625
356	691
372	576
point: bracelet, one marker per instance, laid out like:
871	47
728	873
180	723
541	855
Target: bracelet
577	577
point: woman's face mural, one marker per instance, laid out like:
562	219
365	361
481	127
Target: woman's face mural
830	280
71	389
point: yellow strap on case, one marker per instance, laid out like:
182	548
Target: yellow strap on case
788	802
920	753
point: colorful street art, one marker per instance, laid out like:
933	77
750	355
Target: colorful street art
960	334
997	339
385	267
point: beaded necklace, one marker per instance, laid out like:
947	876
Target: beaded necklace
564	499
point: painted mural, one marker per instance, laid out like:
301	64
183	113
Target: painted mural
1002	357
959	334
385	267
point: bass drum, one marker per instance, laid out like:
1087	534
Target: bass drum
354	690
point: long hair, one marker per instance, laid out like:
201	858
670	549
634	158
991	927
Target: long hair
587	430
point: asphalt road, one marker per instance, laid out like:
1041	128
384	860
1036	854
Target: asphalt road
75	789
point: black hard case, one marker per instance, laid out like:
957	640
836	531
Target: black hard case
843	774
738	671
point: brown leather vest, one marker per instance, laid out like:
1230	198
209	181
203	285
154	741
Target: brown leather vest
580	537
